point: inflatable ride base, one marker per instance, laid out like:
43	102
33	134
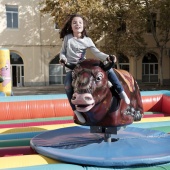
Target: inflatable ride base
133	147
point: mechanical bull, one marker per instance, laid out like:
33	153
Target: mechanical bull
100	104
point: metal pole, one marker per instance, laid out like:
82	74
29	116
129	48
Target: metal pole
107	137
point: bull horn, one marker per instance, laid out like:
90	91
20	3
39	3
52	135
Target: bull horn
70	66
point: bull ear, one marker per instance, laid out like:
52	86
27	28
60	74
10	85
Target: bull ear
70	66
107	66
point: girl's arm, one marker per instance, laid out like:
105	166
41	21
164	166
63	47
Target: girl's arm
100	54
96	51
63	50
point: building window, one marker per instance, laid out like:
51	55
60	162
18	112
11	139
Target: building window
56	72
17	70
123	62
150	27
12	16
122	24
56	26
122	27
150	69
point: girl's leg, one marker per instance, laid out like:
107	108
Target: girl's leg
117	85
115	81
69	93
69	88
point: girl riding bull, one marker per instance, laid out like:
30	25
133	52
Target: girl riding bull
75	44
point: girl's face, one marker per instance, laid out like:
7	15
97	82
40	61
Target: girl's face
77	25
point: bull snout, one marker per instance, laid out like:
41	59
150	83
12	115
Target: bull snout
83	102
85	98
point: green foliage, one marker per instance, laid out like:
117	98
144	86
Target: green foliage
104	18
107	18
61	9
160	35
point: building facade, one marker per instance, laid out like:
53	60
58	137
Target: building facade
34	44
32	39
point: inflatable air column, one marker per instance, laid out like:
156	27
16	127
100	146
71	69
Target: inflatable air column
5	73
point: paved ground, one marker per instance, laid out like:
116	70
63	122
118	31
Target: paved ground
19	91
58	89
153	87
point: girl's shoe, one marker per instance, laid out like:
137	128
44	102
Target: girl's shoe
80	116
124	97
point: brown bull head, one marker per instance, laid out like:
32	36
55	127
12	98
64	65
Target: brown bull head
90	85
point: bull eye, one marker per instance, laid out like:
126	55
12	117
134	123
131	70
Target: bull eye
99	77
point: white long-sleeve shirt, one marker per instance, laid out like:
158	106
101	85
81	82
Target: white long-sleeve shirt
74	49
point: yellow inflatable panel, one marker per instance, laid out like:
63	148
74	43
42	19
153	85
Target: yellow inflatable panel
34	128
155	119
26	160
5	72
52	127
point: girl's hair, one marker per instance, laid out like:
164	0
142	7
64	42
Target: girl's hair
67	26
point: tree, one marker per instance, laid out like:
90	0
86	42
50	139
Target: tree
108	18
60	10
122	28
156	14
122	23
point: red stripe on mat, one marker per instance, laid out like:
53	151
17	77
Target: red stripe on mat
156	115
14	151
25	124
153	115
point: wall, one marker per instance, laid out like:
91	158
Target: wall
36	40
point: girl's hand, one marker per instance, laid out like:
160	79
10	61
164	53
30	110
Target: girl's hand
63	61
112	58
